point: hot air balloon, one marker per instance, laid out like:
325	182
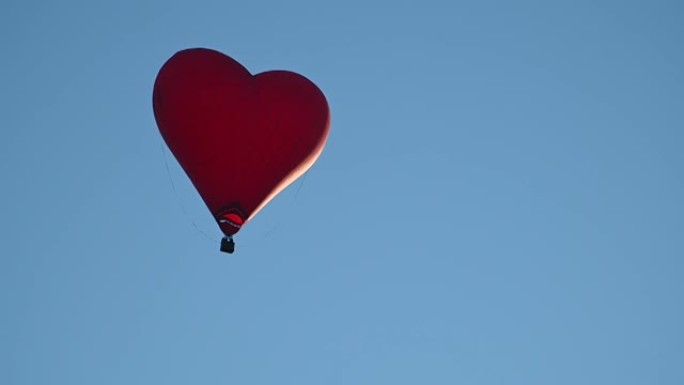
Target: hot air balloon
240	138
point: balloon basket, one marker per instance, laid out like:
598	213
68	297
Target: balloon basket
227	245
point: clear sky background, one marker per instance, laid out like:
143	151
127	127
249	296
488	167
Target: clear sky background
500	200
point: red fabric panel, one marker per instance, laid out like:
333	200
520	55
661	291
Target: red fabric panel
240	138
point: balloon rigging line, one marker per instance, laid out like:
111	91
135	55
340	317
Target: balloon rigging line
301	183
180	201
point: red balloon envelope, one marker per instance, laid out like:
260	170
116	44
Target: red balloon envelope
241	138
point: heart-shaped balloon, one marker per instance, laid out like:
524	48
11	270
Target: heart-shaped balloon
241	138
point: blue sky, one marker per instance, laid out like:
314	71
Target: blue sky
500	199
